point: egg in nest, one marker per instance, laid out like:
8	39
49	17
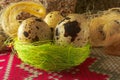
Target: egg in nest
73	29
34	29
53	18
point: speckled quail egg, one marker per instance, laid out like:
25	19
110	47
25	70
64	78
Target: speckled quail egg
53	18
34	29
73	29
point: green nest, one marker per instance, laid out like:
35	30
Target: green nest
51	57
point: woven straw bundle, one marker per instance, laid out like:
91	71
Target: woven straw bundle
101	26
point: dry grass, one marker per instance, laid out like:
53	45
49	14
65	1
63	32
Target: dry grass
95	5
85	5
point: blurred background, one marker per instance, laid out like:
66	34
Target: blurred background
79	6
95	5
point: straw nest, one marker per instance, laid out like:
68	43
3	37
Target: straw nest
51	57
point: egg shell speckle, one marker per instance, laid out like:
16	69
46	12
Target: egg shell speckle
34	29
72	30
53	18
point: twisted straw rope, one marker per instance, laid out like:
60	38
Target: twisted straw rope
8	18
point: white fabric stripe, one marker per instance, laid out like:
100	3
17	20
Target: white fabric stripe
1	67
2	60
34	72
3	54
8	67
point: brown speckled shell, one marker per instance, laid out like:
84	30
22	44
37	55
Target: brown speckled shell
79	38
34	29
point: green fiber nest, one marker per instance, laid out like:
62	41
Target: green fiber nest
51	57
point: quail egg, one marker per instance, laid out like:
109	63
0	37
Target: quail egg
34	29
73	29
53	18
